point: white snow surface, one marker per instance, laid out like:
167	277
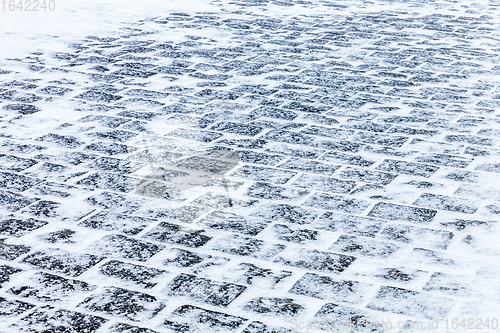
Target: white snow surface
477	264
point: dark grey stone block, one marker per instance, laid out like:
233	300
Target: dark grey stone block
125	247
408	168
120	302
62	261
204	290
316	260
336	203
446	203
325	287
389	211
360	246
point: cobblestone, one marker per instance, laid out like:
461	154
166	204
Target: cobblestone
237	165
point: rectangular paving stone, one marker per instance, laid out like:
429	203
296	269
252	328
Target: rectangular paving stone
114	202
400	274
45	208
49	288
263	174
57	172
192	318
20	84
146	277
73	158
407	168
208	166
339	157
336	203
61	261
217	201
14	163
327	132
131	225
184	258
106	121
477	191
389	211
18	227
309	166
288	137
110	164
446	160
55	90
125	247
13	147
96	96
367	126
444	202
197	135
448	284
349	224
114	135
172	234
295	235
490	167
412	131
340	145
332	315
139	115
327	288
109	181
258	327
316	260
431	257
319	119
126	328
222	220
66	141
172	70
247	273
12	251
437	147
419	236
460	224
237	128
301	152
146	93
275	306
325	184
125	303
410	303
16	96
360	246
413	91
247	246
204	290
256	157
463	176
367	176
109	148
13	308
303	107
13	202
473	140
286	213
380	139
47	318
133	73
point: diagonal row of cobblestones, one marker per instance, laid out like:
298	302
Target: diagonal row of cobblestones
244	170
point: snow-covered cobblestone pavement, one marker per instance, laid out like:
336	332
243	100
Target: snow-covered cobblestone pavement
255	166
